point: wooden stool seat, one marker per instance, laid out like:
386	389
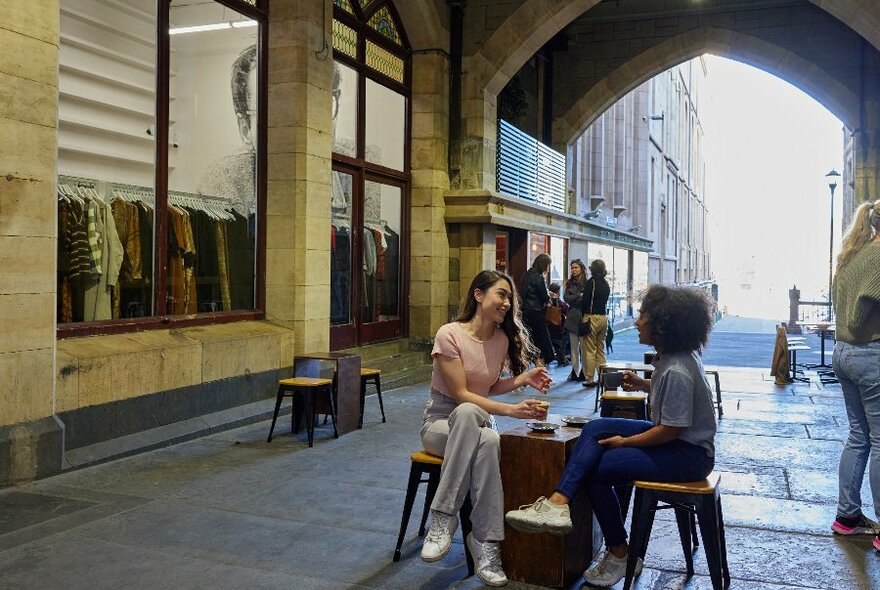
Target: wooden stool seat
629	396
427	458
304	382
307	386
424	463
704	486
367	375
688	499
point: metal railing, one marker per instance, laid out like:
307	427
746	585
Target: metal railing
528	169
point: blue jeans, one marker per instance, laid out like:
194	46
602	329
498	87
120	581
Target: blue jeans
598	469
858	369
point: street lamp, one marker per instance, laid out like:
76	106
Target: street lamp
832	178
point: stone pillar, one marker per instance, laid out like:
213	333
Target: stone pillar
866	161
477	148
476	252
30	439
299	166
429	245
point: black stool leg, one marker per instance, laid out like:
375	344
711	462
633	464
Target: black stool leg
466	528
275	415
725	570
707	512
379	394
683	519
694	535
415	475
332	411
624	495
639	531
310	416
433	482
363	401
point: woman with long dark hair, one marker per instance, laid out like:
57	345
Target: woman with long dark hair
470	354
856	363
593	304
535	299
574	292
677	445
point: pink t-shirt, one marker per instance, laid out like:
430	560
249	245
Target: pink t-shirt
482	361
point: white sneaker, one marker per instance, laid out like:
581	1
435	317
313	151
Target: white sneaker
439	537
487	561
609	570
540	517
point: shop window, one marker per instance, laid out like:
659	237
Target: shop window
370	185
158	156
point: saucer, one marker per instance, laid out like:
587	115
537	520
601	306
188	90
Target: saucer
576	421
542	426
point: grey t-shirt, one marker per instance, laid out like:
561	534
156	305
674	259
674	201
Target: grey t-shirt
681	396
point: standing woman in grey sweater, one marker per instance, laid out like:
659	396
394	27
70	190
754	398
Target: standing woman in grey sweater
856	297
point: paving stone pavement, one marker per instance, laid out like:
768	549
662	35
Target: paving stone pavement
231	511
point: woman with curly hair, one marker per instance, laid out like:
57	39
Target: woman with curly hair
469	355
676	445
856	361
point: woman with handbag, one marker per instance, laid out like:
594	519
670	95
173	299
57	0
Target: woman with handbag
594	320
574	292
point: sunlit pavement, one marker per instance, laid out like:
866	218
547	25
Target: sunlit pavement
231	511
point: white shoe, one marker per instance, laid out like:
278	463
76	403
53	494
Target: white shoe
609	570
487	561
540	517
439	537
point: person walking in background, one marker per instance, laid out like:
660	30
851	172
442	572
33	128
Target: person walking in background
574	291
555	316
593	304
677	445
856	362
469	355
534	299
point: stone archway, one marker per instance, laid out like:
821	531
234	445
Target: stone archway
827	90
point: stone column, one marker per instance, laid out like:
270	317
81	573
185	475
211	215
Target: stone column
30	439
429	245
299	165
476	149
476	252
866	160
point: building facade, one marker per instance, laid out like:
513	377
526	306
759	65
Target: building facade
234	143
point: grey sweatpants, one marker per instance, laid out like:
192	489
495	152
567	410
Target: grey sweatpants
471	451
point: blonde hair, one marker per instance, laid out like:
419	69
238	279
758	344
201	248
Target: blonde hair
862	230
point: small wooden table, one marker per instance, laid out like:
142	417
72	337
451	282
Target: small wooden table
346	384
531	465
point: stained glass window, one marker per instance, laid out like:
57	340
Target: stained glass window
344	39
384	24
344	5
384	61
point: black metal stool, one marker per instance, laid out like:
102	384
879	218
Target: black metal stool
426	464
702	498
374	375
624	405
307	386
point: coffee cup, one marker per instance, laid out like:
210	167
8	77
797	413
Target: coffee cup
613	379
544	406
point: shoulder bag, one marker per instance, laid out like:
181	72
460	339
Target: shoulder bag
584	326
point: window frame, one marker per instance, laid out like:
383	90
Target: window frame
358	332
160	319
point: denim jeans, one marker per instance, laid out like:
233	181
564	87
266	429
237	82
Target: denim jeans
598	469
858	369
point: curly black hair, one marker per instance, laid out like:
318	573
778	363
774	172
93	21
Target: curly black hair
679	318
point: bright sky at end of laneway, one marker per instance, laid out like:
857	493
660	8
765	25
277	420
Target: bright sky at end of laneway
768	148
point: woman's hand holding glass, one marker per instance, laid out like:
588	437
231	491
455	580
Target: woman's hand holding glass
632	382
529	409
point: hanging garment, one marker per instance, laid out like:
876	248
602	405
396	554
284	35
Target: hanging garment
223	264
128	227
96	299
779	366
